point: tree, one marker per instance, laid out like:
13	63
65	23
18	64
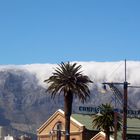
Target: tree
67	79
105	121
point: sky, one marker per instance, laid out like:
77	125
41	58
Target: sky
52	31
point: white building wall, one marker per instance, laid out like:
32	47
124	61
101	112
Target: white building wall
8	137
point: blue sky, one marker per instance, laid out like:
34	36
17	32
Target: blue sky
51	31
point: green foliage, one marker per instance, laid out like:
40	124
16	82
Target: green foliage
68	78
105	121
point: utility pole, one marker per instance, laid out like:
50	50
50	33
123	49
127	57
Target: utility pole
115	123
125	86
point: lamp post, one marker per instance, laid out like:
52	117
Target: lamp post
57	133
57	130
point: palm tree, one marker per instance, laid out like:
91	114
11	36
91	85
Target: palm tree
68	80
105	121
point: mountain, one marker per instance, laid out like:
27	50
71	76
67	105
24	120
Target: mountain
24	104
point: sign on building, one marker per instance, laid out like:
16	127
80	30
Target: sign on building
95	110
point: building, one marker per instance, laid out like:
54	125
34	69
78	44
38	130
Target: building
100	136
2	133
8	137
81	128
54	128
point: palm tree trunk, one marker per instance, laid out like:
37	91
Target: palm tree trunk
107	137
107	134
68	110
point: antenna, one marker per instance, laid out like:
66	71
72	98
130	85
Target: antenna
125	70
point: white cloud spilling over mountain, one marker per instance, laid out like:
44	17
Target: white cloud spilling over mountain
98	72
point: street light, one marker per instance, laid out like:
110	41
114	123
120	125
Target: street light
57	131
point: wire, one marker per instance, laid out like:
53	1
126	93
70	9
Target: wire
108	76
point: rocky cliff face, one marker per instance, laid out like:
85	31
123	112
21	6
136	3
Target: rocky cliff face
24	105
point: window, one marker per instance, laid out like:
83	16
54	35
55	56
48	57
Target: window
59	126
